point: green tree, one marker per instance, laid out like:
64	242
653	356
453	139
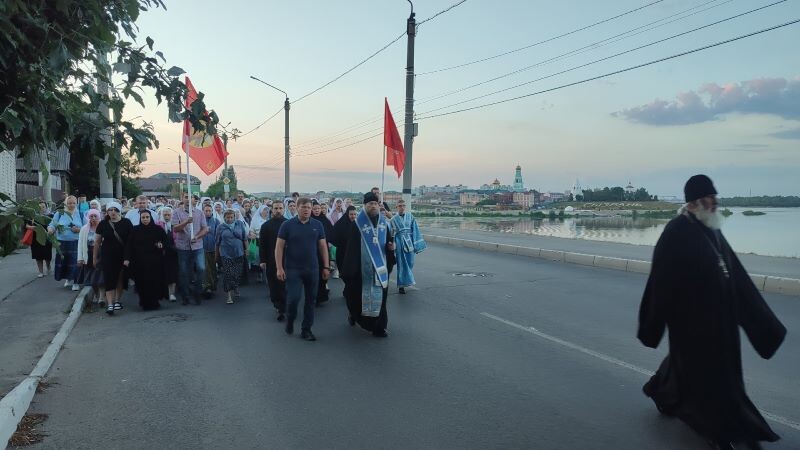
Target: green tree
58	81
217	188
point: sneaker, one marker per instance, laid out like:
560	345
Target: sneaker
110	310
67	283
229	301
41	275
308	336
172	298
76	287
118	306
335	273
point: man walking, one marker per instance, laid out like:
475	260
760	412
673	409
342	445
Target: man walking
300	248
268	237
141	205
189	232
700	291
408	242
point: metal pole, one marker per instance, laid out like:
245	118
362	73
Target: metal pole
408	145
287	190
225	194
119	182
106	187
189	188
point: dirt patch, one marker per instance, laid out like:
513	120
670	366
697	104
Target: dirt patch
27	431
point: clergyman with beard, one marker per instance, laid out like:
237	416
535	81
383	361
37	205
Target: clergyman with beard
700	291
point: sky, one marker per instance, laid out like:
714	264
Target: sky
732	111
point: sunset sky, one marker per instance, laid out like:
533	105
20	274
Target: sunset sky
732	112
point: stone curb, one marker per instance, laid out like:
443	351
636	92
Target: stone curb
764	283
15	404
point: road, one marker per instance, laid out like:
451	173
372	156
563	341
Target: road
461	369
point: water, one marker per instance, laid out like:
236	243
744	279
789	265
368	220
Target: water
773	234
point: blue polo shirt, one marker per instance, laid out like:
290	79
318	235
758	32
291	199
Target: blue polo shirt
301	251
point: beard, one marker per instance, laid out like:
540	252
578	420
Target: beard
708	218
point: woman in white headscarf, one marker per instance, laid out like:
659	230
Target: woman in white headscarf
219	209
259	218
337	211
289	208
170	254
246	264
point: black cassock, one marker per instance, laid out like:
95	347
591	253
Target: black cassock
267	238
350	272
700	291
147	263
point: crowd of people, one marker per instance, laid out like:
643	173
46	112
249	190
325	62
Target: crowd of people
189	248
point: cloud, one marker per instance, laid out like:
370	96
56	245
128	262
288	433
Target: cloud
787	134
776	96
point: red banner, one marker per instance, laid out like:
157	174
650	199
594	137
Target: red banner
206	150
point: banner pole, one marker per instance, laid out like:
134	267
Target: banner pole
383	173
188	185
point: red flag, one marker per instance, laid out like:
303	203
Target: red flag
395	154
206	150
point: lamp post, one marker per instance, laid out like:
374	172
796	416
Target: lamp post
180	167
286	189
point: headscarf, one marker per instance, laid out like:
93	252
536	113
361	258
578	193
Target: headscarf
218	215
240	218
257	220
286	213
225	224
167	226
333	214
90	212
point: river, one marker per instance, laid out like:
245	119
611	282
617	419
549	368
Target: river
773	234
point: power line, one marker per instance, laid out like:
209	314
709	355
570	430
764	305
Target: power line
586	48
617	72
442	12
352	68
344	146
604	58
262	123
542	41
340	132
336	142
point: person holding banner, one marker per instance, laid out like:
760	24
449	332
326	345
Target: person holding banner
189	229
409	242
369	255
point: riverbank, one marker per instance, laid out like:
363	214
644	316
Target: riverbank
765	265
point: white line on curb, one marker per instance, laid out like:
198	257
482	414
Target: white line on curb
768	415
15	404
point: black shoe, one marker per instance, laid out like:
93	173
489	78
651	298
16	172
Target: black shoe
289	328
402	290
307	335
207	295
351	321
281	317
185	301
118	306
110	310
380	334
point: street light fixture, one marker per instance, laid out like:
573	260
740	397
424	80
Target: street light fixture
286	144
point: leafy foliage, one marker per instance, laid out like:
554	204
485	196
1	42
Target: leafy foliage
217	190
762	201
12	220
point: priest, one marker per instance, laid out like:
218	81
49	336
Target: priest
699	290
369	255
408	242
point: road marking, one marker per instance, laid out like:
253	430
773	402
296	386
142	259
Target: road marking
767	415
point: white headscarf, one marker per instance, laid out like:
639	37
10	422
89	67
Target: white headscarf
257	220
333	214
286	213
166	225
219	215
240	218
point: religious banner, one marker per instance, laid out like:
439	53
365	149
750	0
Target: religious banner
206	150
395	154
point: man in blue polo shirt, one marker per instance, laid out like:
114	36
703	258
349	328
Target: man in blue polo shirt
300	248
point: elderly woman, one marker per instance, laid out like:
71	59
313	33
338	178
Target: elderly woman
111	237
91	274
144	256
170	255
42	254
260	218
337	210
231	244
66	225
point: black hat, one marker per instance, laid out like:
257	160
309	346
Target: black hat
370	197
698	187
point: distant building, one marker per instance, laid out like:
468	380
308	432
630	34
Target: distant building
518	184
630	189
392	197
496	186
577	189
30	181
162	183
470	198
524	199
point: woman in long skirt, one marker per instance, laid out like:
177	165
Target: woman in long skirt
231	242
66	225
90	274
144	256
111	237
170	254
42	254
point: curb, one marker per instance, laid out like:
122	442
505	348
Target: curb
764	283
15	404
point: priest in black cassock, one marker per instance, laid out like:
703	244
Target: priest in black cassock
700	291
369	256
267	238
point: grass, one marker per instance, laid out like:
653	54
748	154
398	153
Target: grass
27	431
753	213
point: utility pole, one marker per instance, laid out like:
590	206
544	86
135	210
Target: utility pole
286	149
410	126
226	193
106	187
287	188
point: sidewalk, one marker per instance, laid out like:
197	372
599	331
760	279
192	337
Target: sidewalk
31	313
764	265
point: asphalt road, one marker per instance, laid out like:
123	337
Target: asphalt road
461	369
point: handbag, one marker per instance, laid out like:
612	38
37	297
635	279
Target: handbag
252	252
27	238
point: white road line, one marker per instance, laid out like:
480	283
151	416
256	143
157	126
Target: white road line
767	415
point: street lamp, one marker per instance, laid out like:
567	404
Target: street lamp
286	144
